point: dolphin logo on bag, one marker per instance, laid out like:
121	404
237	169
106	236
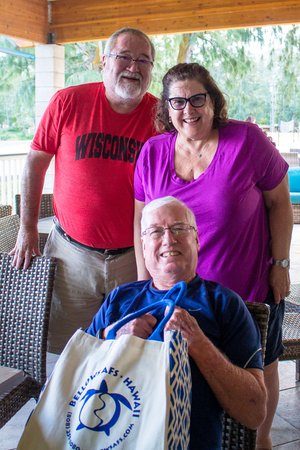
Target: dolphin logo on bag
106	409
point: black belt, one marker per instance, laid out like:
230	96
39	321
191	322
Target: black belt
104	251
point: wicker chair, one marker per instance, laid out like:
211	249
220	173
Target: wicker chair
291	158
294	186
235	435
296	212
291	328
9	228
25	298
5	210
46	207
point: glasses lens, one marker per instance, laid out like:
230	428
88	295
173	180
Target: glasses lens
144	62
180	229
155	232
177	102
123	59
198	100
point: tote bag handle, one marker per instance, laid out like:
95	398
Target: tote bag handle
156	335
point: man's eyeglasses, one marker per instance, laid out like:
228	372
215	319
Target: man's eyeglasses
196	101
177	230
126	60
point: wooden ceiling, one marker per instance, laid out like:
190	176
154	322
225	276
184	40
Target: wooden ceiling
65	21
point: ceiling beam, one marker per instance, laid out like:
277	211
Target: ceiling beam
86	20
24	20
93	20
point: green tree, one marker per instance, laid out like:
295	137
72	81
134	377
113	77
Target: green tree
166	48
285	63
16	92
80	63
256	68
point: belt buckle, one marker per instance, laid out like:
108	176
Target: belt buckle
67	238
111	252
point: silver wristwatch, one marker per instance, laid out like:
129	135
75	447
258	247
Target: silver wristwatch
285	263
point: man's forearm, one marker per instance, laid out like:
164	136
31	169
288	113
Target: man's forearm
32	186
240	392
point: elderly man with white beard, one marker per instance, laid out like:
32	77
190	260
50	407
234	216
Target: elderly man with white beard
95	131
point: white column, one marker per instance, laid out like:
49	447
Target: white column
49	75
49	78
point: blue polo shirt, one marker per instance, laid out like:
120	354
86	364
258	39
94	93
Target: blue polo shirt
225	320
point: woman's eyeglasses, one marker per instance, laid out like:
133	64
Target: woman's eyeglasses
196	101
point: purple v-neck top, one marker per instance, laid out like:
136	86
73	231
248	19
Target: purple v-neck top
227	200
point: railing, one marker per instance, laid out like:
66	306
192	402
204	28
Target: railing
12	159
11	168
13	155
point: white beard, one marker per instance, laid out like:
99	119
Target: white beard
127	90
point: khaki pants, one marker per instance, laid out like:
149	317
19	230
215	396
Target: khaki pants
83	279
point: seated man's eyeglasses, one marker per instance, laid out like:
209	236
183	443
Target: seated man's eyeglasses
196	101
177	230
127	60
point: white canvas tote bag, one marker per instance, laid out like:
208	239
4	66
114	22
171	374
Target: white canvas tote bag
127	393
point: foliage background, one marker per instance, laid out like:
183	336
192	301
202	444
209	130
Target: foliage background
257	69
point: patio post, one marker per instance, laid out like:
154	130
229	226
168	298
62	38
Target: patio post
49	75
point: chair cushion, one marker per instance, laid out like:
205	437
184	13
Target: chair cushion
294	179
295	198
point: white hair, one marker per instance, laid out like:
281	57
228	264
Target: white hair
112	39
157	203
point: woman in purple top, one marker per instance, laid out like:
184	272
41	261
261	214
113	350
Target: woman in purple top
235	181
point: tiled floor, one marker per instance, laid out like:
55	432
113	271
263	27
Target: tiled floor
11	432
286	426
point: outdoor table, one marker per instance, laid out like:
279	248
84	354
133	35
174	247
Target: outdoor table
9	378
44	227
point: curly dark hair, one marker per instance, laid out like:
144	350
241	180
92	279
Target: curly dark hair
191	71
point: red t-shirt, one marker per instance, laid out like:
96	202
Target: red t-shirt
95	151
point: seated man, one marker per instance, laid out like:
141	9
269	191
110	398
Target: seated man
223	341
